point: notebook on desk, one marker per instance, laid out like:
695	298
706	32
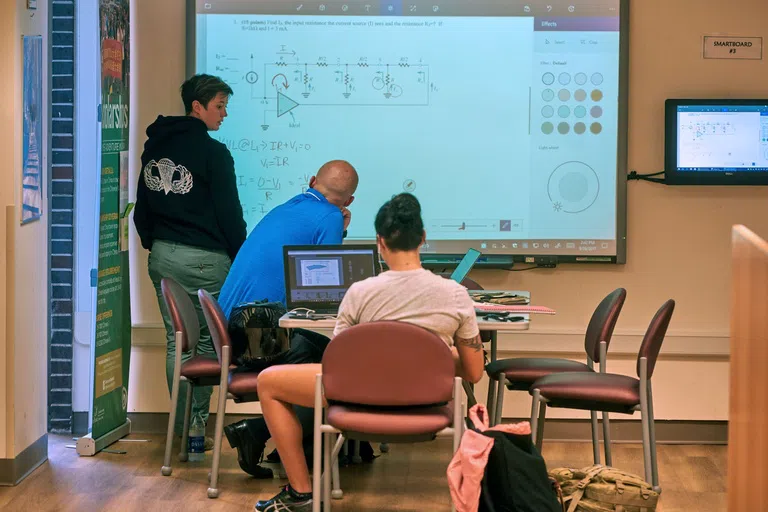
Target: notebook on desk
318	276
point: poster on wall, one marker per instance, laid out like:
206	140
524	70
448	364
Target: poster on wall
113	314
32	151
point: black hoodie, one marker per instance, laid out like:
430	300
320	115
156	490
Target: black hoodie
187	191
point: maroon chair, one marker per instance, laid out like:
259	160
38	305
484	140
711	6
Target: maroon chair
518	374
240	387
383	381
197	371
610	392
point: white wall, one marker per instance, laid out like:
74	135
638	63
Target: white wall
24	254
678	237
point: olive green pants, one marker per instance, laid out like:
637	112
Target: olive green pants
193	268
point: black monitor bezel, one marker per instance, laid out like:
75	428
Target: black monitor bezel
674	177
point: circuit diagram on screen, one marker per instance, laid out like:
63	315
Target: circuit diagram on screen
290	82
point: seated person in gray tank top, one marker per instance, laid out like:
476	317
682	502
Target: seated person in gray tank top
405	293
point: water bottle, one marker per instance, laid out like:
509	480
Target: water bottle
197	439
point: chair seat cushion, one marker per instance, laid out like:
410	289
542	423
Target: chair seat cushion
199	367
243	384
595	391
529	369
406	422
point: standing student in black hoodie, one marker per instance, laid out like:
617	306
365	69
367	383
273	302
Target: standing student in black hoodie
188	213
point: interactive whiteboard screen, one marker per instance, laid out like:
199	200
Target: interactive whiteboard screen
504	118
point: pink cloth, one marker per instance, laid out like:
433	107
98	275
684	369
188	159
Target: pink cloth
465	472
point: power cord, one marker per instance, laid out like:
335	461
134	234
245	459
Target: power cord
633	175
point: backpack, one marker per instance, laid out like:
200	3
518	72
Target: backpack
257	339
515	478
498	469
604	489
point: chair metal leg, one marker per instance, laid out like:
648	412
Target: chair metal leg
492	398
184	449
356	458
458	410
540	426
652	439
646	443
166	469
595	437
336	492
534	413
213	490
316	449
490	402
494	345
328	470
458	422
607	439
645	419
499	407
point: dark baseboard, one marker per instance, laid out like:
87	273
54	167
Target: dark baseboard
628	431
13	471
157	422
622	431
80	423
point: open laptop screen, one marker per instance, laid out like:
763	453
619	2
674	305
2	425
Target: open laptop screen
466	264
318	276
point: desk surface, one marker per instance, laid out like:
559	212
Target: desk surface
330	323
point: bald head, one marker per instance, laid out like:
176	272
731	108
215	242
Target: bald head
337	181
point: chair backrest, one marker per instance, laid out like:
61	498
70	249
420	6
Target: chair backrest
603	322
388	364
654	336
216	320
182	313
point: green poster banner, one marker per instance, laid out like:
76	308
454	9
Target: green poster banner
113	309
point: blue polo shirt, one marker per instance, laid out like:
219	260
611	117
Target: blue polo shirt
257	272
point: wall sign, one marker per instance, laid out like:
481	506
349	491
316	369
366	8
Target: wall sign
731	47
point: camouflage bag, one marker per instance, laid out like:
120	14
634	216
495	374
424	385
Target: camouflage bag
604	489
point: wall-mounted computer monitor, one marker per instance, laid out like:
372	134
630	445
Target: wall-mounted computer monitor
506	118
716	142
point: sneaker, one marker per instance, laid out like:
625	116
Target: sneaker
287	500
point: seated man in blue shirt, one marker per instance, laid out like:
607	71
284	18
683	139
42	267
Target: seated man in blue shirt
318	216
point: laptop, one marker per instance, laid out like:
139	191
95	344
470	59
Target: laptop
465	265
318	276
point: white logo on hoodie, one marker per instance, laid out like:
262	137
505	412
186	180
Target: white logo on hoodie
165	182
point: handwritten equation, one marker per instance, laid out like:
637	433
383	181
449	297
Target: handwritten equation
260	193
264	146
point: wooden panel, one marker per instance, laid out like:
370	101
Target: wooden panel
748	428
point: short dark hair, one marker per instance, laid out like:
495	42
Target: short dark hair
202	88
399	223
